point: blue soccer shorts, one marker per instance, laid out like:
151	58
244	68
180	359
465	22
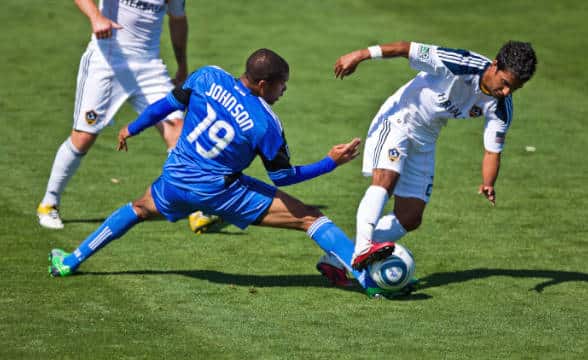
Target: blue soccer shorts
240	203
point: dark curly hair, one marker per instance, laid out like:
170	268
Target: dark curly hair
517	57
264	64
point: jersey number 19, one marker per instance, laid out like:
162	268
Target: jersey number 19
220	133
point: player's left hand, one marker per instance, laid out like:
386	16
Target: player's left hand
488	192
344	153
123	135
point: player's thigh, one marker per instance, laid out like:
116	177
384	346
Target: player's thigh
386	147
152	83
99	94
288	212
417	177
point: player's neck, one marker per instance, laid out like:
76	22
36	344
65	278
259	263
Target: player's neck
249	85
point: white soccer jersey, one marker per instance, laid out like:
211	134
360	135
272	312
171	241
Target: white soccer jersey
448	86
141	22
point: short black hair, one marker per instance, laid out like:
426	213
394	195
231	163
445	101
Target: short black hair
265	64
517	57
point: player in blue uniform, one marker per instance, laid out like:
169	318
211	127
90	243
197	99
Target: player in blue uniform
228	122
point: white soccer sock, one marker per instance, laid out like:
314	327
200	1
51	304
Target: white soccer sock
67	160
389	229
368	213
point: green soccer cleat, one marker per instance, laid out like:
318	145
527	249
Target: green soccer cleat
379	293
56	266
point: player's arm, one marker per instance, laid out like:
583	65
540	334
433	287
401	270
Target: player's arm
282	173
101	25
178	29
176	100
490	168
498	120
347	63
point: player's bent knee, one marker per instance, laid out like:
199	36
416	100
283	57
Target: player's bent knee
312	214
144	209
411	223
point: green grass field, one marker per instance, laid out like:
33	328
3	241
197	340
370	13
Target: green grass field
509	282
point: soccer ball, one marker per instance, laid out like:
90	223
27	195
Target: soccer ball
395	271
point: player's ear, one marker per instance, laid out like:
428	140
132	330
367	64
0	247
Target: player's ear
262	86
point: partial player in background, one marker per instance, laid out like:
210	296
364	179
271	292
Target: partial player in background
121	63
229	121
400	146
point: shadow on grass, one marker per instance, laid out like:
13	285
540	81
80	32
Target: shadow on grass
73	221
259	281
553	277
216	229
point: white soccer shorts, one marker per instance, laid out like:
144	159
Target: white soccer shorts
389	147
106	82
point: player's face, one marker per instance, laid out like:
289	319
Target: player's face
500	83
273	90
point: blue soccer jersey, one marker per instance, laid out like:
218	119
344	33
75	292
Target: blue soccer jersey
225	127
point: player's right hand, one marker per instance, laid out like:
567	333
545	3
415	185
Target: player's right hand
343	153
123	135
102	27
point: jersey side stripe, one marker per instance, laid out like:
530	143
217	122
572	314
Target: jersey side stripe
463	60
462	54
82	85
380	144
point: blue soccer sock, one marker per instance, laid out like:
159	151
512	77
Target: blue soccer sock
116	225
334	241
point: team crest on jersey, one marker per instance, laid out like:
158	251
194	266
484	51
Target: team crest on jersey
91	117
423	52
393	154
475	111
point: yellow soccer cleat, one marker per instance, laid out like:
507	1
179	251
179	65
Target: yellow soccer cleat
201	223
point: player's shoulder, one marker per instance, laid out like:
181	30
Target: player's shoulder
504	109
207	74
462	61
212	71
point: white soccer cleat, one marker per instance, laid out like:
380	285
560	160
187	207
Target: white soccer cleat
49	217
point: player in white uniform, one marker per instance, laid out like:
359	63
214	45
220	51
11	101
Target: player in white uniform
400	146
122	62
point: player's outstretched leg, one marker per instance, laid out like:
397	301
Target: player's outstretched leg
116	225
335	243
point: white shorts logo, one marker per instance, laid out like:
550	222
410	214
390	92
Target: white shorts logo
91	117
393	154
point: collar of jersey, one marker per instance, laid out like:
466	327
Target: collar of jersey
242	86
